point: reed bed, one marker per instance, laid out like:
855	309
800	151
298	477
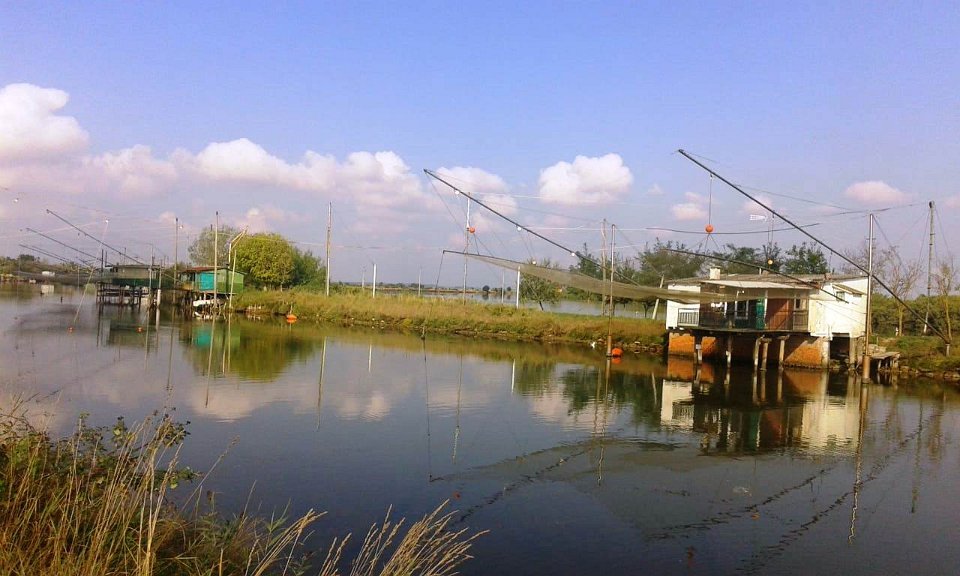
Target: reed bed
451	316
98	502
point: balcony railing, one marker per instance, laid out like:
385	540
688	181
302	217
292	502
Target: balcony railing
784	321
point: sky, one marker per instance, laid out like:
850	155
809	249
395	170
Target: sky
124	119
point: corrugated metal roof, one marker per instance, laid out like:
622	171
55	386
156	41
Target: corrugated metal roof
758	284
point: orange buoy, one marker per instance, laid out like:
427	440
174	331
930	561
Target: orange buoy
291	318
709	228
616	352
471	229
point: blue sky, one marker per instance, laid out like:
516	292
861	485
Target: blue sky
561	114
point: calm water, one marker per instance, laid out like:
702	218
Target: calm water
574	468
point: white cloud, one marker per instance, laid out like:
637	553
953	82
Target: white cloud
875	193
473	180
132	171
489	188
751	207
240	160
655	190
266	218
31	129
693	209
688	211
587	181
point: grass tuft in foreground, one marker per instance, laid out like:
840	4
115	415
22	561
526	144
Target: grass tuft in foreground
97	502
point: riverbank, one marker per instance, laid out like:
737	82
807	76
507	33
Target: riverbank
925	356
104	501
451	316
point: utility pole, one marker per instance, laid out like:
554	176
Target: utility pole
374	280
518	288
603	264
866	331
329	226
466	236
926	317
216	249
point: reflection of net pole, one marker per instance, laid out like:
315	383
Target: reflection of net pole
456	431
323	363
858	479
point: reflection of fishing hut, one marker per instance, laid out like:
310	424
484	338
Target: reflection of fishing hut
126	284
766	318
761	411
129	334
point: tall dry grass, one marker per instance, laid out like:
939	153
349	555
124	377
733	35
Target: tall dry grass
98	502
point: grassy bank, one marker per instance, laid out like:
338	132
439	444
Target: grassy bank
446	316
924	353
98	502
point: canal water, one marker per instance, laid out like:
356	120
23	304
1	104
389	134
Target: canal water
572	465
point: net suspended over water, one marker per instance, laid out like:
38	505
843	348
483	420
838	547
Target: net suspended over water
586	283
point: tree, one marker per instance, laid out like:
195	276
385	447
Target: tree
946	279
538	289
742	259
901	277
267	259
664	262
805	259
201	249
307	270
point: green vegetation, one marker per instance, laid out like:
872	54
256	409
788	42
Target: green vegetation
267	260
98	502
439	316
539	290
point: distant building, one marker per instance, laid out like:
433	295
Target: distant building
809	318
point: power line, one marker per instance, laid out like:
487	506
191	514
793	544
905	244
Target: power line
815	239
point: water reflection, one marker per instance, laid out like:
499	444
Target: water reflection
563	456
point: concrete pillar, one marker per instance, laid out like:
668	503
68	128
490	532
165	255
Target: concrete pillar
729	349
763	355
756	352
697	349
783	345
